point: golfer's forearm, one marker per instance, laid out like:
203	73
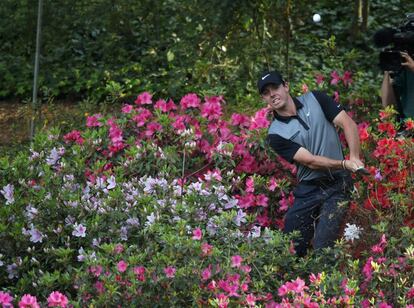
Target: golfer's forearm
322	162
352	138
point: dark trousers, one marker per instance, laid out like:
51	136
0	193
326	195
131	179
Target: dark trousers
318	212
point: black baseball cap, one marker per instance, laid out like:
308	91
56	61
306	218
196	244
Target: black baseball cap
266	78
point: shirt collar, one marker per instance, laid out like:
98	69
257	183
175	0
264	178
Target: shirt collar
286	119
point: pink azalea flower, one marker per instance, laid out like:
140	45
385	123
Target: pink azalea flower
127	108
170	271
211	109
250	184
99	286
272	184
161	105
240	120
93	121
347	78
96	270
6	300
57	299
28	301
122	266
142	116
315	279
222	300
144	98
261	200
207	249
74	136
152	128
119	248
190	100
335	78
305	88
367	269
319	78
197	234
245	201
251	300
139	271
260	120
236	261
336	96
410	294
206	273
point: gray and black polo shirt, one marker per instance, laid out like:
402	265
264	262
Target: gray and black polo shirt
311	128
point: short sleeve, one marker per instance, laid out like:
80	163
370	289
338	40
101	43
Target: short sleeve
283	147
329	107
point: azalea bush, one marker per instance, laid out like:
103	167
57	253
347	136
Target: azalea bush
176	203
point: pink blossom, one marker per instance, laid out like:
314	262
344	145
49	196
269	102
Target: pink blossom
140	272
190	100
207	249
122	266
240	120
197	234
410	293
95	270
119	248
315	279
384	305
367	269
305	88
211	109
335	78
144	98
79	230
236	261
272	185
245	201
260	120
93	121
28	301
142	116
250	184
262	200
6	300
74	136
222	300
347	78
99	286
336	96
152	128
170	271
319	78
206	273
251	300
57	299
161	105
127	108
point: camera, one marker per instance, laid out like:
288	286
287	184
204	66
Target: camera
399	39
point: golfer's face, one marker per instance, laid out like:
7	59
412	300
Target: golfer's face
276	96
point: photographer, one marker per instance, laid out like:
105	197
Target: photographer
399	89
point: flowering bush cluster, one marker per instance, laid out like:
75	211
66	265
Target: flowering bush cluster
170	203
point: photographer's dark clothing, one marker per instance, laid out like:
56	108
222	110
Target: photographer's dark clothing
404	88
321	197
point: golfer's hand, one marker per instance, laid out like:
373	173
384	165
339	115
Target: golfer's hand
353	164
408	61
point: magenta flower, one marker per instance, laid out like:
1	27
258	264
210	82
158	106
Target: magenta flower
250	184
74	136
197	234
236	261
144	98
161	105
347	78
139	271
261	200
251	300
211	109
127	108
95	270
335	78
319	78
28	301
336	96
142	117
93	121
190	100
170	271
57	299
305	88
240	120
122	266
206	273
260	120
207	249
5	300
